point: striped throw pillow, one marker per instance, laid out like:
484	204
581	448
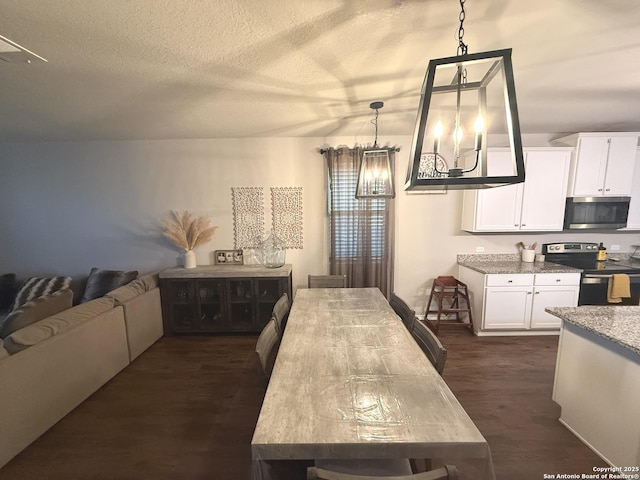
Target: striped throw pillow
35	310
35	287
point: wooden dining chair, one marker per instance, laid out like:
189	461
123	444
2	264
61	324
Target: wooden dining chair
327	281
267	347
448	472
403	310
280	313
430	345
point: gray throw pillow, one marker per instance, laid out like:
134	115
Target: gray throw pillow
35	287
35	310
101	282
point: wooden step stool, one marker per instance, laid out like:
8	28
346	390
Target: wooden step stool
446	298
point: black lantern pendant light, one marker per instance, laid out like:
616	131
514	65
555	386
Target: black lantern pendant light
375	178
464	100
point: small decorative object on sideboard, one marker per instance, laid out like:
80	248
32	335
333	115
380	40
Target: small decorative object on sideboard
228	257
187	232
271	253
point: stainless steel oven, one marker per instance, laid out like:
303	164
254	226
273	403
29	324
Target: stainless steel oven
593	289
603	213
595	275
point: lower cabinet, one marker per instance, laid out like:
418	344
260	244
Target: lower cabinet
213	299
563	293
517	302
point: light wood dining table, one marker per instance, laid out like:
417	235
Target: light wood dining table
350	382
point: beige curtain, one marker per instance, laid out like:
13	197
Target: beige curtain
362	230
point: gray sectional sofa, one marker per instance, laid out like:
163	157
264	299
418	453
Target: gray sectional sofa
51	366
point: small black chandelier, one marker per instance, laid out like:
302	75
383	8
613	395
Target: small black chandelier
375	176
463	94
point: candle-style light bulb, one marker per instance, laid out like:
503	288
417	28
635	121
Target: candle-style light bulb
479	128
437	132
457	135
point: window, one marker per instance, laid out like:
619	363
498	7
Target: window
361	230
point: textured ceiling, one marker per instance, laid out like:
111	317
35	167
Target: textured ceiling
156	69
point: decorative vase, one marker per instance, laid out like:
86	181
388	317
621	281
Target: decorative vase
271	253
189	259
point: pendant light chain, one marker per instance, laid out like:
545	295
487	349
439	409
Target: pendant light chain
462	47
375	106
375	124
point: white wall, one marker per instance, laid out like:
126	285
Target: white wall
67	207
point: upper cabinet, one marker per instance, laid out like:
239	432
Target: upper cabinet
536	205
633	220
602	163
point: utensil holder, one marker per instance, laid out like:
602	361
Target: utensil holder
528	255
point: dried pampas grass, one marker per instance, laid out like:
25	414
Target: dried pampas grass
186	231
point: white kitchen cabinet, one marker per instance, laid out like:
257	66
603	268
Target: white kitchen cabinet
536	205
602	164
553	290
505	304
507	301
507	307
633	220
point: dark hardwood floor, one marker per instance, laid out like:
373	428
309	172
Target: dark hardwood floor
186	410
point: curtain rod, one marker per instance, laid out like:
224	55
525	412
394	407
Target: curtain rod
395	149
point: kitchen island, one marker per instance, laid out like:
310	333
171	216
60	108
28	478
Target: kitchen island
597	379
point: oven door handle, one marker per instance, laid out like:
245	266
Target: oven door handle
592	278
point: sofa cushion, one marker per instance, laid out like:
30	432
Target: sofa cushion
35	287
7	291
35	310
3	351
50	326
127	292
101	282
150	280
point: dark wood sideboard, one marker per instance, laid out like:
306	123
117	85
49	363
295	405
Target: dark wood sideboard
221	298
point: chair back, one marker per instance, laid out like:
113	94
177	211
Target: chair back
280	313
327	281
267	347
403	310
430	345
448	472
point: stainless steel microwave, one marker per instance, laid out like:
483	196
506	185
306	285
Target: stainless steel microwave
603	213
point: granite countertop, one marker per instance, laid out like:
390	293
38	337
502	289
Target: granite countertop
506	264
619	324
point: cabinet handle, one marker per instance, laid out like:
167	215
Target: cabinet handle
509	281
599	189
607	189
538	292
558	279
523	225
528	293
